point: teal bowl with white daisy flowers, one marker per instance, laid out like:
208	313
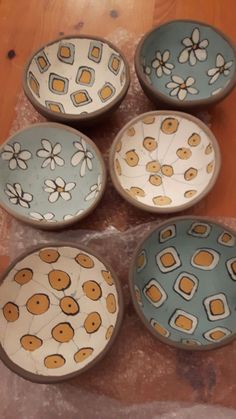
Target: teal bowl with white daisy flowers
51	175
186	64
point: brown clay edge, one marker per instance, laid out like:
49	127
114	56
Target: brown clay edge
57	379
133	297
159	97
161	210
88	119
44	225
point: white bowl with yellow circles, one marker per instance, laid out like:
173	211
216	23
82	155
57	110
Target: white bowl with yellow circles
76	78
164	161
60	311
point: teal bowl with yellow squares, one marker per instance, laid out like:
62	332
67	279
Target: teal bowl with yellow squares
183	283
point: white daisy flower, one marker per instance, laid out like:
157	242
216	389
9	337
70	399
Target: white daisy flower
94	190
181	88
17	196
15	156
222	67
161	64
69	216
50	154
82	155
195	50
58	188
43	217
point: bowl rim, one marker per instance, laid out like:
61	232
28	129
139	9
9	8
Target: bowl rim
42	379
165	210
63	223
168	99
139	312
67	117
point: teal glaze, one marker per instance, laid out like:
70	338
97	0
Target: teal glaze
32	179
210	282
169	37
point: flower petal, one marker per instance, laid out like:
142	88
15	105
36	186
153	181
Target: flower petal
166	55
36	215
78	145
60	182
90	196
48	216
42	153
46	162
69	186
201	54
155	63
47	145
169	65
83	142
158	56
56	149
59	161
16	147
77	157
204	43
67	217
192	90
228	64
23	203
9	148
182	94
18	189
172	85
195	35
9	193
50	183
175	91
48	189
159	71
27	197
177	79
90	155
189	81
214	78
212	71
187	42
89	164
219	60
184	55
53	197
147	70
83	168
52	165
14	200
166	70
226	72
22	164
192	58
11	189
24	155
7	155
12	163
65	195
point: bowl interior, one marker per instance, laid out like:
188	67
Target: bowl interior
59	308
184	281
187	61
164	161
76	76
50	173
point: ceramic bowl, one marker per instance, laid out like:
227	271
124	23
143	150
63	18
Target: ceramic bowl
50	175
164	161
61	309
76	79
185	64
182	282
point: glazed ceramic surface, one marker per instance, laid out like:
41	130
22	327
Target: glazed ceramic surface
76	76
164	161
50	175
187	61
59	307
183	283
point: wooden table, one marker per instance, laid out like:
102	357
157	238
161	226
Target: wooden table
25	26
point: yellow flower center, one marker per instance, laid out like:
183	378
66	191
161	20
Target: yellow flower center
60	189
182	86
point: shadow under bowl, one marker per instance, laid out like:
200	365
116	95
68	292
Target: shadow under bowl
51	175
186	64
182	281
57	322
164	161
76	79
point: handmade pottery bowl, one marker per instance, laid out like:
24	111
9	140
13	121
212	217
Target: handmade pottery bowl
77	79
61	309
50	175
185	64
164	161
182	281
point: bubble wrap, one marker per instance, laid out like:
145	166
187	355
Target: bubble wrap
139	378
